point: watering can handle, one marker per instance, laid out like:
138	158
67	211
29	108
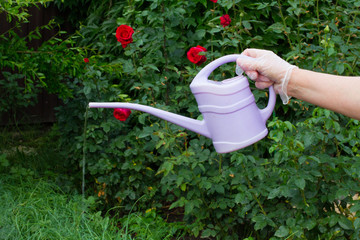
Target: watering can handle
208	69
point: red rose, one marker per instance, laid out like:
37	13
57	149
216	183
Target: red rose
121	113
124	35
215	1
194	57
86	60
225	20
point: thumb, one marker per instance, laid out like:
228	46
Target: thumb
248	63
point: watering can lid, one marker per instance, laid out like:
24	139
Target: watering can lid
225	87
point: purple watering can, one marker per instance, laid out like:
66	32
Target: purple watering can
230	115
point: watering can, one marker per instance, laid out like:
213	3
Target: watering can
231	117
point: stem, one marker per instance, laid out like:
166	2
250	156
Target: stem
254	195
318	19
222	45
354	62
298	31
303	196
84	152
220	163
207	206
165	54
284	22
33	52
353	21
338	151
236	14
212	37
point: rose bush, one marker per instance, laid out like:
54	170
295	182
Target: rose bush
298	183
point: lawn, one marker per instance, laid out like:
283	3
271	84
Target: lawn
39	201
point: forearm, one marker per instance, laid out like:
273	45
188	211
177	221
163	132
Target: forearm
336	93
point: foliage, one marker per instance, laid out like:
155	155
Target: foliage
18	9
298	183
151	226
27	70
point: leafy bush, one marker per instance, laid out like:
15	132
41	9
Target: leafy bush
298	183
26	70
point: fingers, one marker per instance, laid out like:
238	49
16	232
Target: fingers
261	81
254	59
253	65
263	85
255	76
255	53
248	63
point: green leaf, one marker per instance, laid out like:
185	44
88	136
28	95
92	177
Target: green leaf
167	166
219	189
282	232
302	159
152	66
274	193
246	24
357	223
143	134
300	183
3	161
200	34
105	126
121	21
340	67
310	224
241	198
345	223
341	193
189	206
276	27
308	139
314	158
142	118
208	233
204	2
355	208
260	222
222	205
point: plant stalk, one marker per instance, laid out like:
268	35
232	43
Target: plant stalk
84	154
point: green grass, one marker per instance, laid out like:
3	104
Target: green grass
36	209
39	197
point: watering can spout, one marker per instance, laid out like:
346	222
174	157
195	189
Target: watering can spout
185	122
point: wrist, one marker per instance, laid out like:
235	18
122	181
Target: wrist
292	87
284	93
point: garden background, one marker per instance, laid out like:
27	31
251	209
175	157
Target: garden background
144	178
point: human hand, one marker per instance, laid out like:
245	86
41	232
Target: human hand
266	68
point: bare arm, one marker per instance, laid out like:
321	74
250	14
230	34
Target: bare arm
337	93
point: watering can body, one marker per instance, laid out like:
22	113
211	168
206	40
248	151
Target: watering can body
231	117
